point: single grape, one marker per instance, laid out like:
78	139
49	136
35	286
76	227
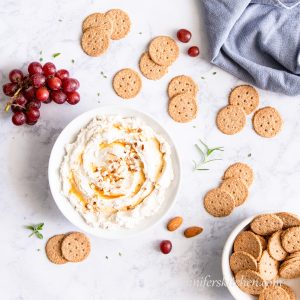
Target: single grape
18	118
69	85
73	98
9	89
165	246
77	84
38	80
33	114
49	100
29	93
35	68
16	76
21	100
184	35
62	74
58	96
49	69
193	51
42	94
54	83
33	104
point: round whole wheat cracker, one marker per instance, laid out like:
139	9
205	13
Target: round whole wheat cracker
98	20
94	41
274	292
293	255
290	239
183	108
75	247
266	224
267	122
127	83
218	203
249	242
275	248
246	97
250	282
288	219
240	170
182	84
262	241
242	261
236	188
120	23
163	50
150	69
53	249
290	291
267	266
231	119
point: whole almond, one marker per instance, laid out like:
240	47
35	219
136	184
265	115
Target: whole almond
192	231
174	223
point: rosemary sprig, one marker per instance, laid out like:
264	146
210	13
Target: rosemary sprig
205	156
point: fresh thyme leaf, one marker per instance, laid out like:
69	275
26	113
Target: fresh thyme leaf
194	126
106	257
36	230
73	61
204	156
41	52
140	32
120	254
41	59
59	20
98	94
56	54
249	155
214	73
202	77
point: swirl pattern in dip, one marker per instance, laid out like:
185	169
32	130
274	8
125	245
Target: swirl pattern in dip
116	172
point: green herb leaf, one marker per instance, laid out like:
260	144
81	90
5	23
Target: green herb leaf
73	61
36	230
204	156
249	155
214	73
56	54
39	226
39	235
29	227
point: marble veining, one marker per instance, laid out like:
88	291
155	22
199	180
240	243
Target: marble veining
128	269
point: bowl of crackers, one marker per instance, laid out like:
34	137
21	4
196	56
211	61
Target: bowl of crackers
261	258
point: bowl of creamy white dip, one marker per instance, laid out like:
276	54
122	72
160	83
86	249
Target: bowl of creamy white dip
114	172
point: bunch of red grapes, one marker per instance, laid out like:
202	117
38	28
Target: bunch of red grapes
43	84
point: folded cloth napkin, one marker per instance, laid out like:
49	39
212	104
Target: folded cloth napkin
258	41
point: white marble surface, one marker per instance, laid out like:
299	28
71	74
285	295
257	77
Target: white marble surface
141	272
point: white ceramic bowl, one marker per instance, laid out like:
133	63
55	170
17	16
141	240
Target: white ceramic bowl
69	134
228	275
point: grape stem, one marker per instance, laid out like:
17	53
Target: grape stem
11	100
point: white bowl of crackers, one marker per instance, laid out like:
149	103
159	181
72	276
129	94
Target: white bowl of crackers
261	258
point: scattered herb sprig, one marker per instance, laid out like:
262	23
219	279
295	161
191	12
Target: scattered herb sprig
56	54
36	230
205	156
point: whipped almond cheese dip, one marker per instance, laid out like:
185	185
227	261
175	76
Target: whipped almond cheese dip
116	172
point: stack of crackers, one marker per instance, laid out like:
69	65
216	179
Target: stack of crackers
232	192
162	53
269	249
244	100
99	28
71	247
183	104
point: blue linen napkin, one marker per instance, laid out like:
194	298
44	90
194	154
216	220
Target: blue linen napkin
258	41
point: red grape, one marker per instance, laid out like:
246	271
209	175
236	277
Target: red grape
16	76
54	83
77	84
165	246
38	80
9	89
33	104
29	93
193	51
18	118
73	98
70	85
49	100
33	114
62	74
21	100
58	96
35	68
42	94
184	35
16	107
49	69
